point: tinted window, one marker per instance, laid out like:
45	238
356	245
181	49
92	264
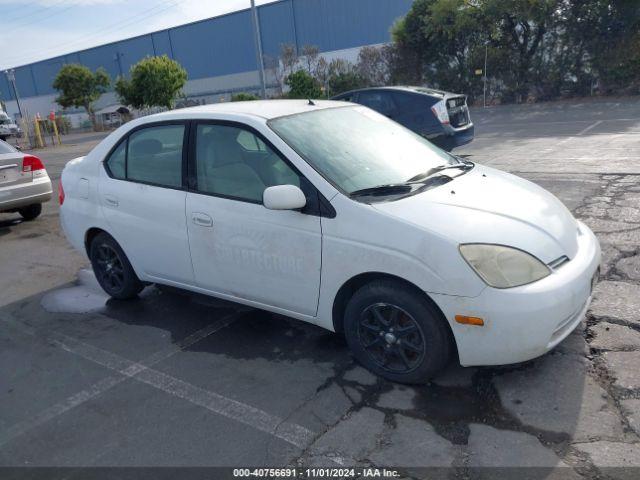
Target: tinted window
347	97
116	161
234	162
6	148
155	155
250	142
408	101
379	101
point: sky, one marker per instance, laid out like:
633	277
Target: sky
32	30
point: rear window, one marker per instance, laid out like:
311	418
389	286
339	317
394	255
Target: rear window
6	148
150	155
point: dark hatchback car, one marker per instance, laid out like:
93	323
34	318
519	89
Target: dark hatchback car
439	116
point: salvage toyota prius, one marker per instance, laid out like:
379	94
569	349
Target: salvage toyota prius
333	214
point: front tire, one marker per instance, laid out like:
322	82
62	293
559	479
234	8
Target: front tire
31	212
397	332
112	268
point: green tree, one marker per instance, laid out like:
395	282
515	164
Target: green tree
79	87
243	97
343	76
373	65
439	41
519	27
605	37
154	82
302	85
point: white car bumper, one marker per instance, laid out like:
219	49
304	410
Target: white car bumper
525	322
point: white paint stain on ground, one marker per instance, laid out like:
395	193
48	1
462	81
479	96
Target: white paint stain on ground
86	296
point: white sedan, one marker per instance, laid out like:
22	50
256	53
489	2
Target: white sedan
24	183
333	214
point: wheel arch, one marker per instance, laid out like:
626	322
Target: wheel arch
89	235
347	290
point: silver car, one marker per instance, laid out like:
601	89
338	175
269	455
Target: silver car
24	182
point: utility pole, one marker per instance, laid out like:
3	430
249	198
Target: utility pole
258	42
117	57
11	76
484	88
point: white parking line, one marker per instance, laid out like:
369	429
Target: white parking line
590	127
260	420
105	384
489	123
571	137
140	371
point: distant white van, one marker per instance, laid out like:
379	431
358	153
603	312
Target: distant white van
8	127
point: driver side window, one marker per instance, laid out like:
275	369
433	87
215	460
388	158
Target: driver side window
234	162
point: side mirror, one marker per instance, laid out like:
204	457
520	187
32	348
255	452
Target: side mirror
283	197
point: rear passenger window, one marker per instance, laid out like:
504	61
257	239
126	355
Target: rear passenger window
347	98
407	101
155	155
116	161
380	101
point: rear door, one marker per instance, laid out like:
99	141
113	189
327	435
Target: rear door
143	196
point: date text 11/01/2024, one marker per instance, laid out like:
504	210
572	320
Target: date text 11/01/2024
312	473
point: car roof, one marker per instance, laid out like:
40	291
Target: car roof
266	109
406	88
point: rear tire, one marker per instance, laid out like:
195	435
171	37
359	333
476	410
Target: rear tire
397	333
112	268
31	212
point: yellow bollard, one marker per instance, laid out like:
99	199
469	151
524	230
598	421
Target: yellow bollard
39	142
55	131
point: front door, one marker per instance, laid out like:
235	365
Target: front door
238	247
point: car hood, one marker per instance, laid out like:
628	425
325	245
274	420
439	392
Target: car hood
489	206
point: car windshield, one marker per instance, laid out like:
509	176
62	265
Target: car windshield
356	148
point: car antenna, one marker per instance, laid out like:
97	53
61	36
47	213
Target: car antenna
311	103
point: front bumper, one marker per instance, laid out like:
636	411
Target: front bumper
525	322
24	194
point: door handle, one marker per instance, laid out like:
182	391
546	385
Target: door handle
111	200
202	219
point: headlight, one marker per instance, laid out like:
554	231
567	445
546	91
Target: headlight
503	267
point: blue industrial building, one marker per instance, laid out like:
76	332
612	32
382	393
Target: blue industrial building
219	53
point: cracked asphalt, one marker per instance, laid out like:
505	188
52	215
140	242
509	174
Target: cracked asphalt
175	379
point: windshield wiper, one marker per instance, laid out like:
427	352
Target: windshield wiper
422	176
409	185
389	189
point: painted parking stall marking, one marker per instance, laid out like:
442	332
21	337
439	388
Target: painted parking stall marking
291	433
107	383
